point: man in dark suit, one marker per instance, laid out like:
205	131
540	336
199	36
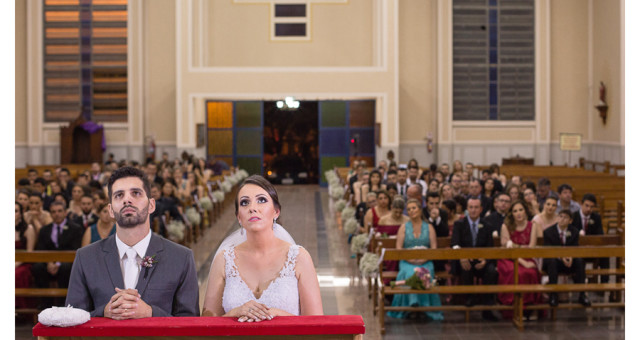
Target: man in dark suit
475	191
150	275
440	222
467	233
501	204
62	234
562	234
589	222
87	217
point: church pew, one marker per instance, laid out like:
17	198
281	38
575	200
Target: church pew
601	249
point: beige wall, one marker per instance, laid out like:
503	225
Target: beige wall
417	55
569	68
21	71
160	70
607	68
238	34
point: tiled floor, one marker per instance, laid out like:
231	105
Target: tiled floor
308	216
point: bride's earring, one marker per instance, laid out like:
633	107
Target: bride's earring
274	223
241	229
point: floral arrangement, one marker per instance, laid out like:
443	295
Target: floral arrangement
336	192
359	243
226	186
420	280
350	226
347	213
206	203
369	265
243	173
175	231
340	205
148	261
193	216
231	179
218	195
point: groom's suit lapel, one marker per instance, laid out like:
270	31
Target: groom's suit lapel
112	262
155	248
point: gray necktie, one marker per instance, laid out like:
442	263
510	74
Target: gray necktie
474	232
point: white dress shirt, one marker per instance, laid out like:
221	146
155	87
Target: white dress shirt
140	248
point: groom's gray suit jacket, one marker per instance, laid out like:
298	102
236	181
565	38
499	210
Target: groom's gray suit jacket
170	287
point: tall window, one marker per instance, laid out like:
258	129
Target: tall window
493	60
85	60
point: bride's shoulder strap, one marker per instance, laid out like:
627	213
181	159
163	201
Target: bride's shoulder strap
292	256
229	261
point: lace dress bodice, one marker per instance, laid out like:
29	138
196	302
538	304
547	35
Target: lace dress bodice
282	293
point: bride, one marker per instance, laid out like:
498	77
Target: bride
265	275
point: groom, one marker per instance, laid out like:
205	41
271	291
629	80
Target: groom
134	273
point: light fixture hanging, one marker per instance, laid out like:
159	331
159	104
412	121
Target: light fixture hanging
289	103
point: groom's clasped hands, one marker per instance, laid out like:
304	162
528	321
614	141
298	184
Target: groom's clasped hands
126	304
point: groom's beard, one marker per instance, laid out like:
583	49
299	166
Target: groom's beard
133	220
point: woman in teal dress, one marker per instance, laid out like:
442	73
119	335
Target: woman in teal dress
102	229
410	237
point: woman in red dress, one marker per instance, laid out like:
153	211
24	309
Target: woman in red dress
374	214
518	232
25	240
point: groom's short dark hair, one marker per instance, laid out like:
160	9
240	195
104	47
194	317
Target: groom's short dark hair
129	171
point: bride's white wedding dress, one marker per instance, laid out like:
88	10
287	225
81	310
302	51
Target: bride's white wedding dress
282	293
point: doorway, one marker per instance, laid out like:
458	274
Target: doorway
291	146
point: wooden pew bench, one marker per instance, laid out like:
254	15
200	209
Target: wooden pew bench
517	289
36	257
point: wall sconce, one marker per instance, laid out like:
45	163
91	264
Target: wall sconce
289	103
602	106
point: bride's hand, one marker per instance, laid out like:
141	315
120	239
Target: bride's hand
252	311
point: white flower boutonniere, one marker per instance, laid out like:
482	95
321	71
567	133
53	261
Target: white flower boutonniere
65	227
480	225
568	234
591	221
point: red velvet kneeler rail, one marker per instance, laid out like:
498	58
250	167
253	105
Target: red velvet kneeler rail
282	327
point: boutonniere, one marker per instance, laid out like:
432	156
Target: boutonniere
147	262
591	221
65	227
568	234
480	226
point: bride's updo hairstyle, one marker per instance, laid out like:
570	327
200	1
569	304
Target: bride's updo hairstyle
264	184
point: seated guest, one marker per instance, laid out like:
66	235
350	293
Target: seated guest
588	222
402	184
475	191
532	203
461	205
446	192
413	178
22	197
392	189
87	217
435	215
449	207
518	232
565	201
61	234
513	190
547	217
98	198
433	186
373	215
392	177
358	195
489	189
390	223
40	187
102	228
65	182
374	184
544	190
25	240
415	233
562	234
470	232
108	278
362	208
76	199
36	216
501	205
